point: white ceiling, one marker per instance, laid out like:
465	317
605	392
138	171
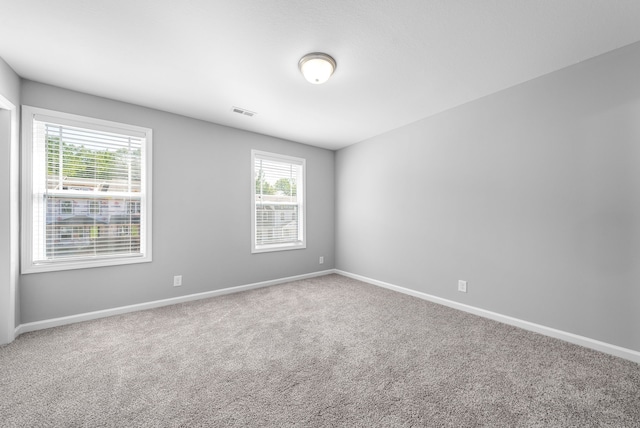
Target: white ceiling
398	61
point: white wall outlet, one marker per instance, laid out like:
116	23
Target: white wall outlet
462	286
177	280
321	260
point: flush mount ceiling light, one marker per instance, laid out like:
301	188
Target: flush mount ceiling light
317	67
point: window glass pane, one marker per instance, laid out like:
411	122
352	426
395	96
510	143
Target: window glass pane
85	169
278	201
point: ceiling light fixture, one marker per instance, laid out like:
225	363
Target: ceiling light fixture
317	67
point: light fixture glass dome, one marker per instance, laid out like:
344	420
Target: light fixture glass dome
317	67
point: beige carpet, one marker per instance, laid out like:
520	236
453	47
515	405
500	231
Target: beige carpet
328	351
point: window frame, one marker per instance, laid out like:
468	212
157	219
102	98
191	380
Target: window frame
28	264
302	205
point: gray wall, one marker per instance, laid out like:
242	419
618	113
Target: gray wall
201	214
531	194
9	90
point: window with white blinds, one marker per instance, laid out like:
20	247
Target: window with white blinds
86	192
278	204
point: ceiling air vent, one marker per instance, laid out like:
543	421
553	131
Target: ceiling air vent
243	111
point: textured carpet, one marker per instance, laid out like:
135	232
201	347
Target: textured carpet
328	351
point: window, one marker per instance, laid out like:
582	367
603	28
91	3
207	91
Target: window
94	207
86	192
67	207
277	203
133	207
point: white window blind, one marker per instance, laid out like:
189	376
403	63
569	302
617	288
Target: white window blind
87	192
278	209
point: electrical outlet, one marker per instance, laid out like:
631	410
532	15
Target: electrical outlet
462	286
177	280
321	261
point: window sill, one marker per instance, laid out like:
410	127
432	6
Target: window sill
82	264
278	247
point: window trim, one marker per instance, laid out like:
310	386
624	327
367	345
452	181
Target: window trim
255	248
28	265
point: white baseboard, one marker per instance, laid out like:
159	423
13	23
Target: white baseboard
597	345
55	322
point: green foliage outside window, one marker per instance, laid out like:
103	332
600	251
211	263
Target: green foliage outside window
82	162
